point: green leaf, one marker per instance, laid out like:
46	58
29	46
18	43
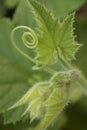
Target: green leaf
7	49
52	112
62	84
11	3
44	101
62	8
20	125
23	15
14	80
29	104
5	44
56	39
59	123
13	84
67	46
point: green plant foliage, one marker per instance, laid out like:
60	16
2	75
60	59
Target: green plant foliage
63	7
59	45
9	85
49	99
45	41
11	3
15	79
20	19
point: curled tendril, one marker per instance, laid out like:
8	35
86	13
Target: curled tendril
29	39
34	40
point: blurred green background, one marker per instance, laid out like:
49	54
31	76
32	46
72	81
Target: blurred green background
74	116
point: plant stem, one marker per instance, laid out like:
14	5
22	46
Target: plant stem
81	81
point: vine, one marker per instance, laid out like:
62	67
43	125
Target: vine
59	86
55	42
29	44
